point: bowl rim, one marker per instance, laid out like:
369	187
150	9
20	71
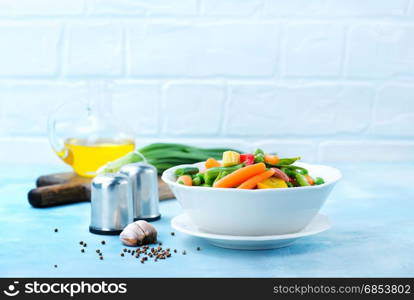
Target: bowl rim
167	174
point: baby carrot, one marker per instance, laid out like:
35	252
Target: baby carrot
252	182
212	163
310	180
239	176
186	180
272	159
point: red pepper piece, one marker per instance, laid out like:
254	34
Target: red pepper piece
247	159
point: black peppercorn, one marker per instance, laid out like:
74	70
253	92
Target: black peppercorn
101	257
184	252
83	250
55	266
198	248
56	230
172	233
103	242
122	254
81	243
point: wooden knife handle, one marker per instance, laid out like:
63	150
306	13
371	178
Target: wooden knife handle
59	194
61	178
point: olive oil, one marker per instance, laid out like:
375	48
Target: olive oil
86	158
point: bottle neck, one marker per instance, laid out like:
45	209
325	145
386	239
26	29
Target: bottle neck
101	113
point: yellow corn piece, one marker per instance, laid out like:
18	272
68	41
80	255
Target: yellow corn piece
231	158
272	183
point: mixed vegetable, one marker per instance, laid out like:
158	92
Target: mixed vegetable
248	171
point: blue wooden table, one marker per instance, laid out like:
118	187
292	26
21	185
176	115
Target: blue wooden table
372	211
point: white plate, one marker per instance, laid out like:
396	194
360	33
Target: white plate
184	224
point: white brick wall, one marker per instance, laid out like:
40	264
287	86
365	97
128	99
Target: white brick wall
381	51
298	110
317	46
154	8
26	8
139	104
393	112
187	109
31	52
335	8
94	49
203	50
332	80
231	7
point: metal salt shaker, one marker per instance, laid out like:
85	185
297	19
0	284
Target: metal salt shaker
144	185
111	204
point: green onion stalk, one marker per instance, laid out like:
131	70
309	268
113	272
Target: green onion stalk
164	156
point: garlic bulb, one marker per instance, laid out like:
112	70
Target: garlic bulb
139	233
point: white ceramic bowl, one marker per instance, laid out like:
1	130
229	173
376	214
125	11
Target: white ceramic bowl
253	212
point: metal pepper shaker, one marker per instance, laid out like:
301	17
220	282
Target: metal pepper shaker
144	186
111	204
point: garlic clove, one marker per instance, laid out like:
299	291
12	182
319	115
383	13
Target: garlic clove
149	230
146	227
132	235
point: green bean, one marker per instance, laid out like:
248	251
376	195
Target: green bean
210	177
186	171
301	170
301	180
289	172
211	174
221	175
288	161
198	179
